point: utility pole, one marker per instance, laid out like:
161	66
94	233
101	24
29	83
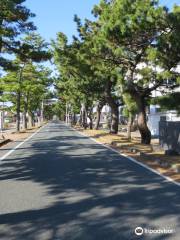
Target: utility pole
66	113
2	121
42	112
2	117
18	109
1	124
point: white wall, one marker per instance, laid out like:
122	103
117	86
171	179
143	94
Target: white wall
154	118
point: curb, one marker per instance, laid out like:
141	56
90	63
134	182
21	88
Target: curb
21	143
5	142
168	179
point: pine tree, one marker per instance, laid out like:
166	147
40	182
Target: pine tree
137	38
14	20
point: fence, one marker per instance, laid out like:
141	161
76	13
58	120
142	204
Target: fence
169	135
154	118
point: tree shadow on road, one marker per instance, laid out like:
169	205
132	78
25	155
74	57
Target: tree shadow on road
98	195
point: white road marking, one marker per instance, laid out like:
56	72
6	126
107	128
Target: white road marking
129	158
20	144
168	179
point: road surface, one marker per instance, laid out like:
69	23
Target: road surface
60	185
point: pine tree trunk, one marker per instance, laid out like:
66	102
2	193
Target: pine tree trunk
98	115
39	121
90	118
74	119
83	116
114	108
142	121
18	108
84	119
115	118
24	121
141	105
18	119
80	118
25	117
90	123
129	126
33	120
30	120
26	100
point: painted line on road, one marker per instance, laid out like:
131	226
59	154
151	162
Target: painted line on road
20	144
168	179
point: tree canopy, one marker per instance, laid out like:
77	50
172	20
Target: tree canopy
125	51
15	19
121	57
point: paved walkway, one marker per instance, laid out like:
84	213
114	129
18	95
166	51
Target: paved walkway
60	185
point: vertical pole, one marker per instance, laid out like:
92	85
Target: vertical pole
18	117
3	116
1	124
42	112
66	113
18	109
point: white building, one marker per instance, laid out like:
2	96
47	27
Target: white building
155	114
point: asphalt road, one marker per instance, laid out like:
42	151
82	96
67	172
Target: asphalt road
60	185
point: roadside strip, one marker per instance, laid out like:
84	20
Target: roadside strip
168	179
5	141
20	144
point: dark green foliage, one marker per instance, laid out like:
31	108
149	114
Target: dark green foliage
132	46
170	101
77	81
33	48
140	39
14	20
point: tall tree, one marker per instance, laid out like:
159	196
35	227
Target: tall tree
77	80
137	37
34	49
130	110
99	106
168	101
26	92
14	20
105	73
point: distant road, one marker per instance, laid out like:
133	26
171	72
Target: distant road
60	185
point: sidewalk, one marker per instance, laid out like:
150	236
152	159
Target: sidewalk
11	135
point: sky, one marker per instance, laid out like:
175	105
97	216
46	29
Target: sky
54	16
